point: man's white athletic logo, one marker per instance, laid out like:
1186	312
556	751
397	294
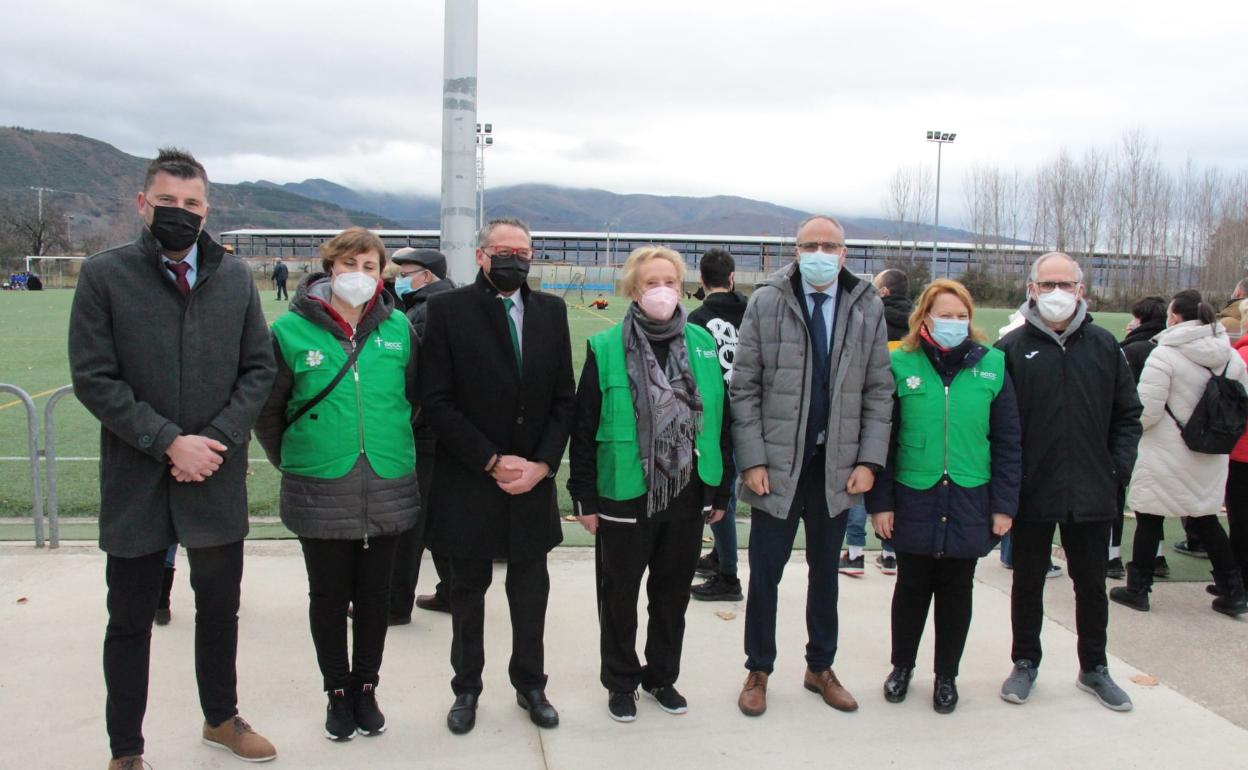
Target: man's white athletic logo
726	342
1031	355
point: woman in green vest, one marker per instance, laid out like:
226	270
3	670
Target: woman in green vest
649	447
950	490
338	426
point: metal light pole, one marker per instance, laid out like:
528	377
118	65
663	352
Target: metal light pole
609	225
459	118
485	138
940	139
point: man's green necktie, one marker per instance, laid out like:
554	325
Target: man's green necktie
508	304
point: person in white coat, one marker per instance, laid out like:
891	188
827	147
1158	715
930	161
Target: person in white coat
1170	479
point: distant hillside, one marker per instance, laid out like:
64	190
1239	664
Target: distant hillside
96	183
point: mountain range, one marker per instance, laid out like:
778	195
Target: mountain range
95	183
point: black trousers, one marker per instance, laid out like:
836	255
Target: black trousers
624	551
342	572
1237	513
1086	544
1207	528
281	290
528	586
771	544
411	550
133	592
920	580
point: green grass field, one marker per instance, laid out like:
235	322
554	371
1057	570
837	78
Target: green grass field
33	339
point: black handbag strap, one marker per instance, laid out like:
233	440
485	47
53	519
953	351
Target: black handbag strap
319	397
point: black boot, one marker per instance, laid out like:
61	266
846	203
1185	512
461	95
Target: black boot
163	615
1232	601
945	695
1135	593
898	683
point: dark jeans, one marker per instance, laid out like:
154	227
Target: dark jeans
624	551
771	544
1148	535
920	580
342	572
725	534
133	592
411	550
1086	544
528	586
1237	513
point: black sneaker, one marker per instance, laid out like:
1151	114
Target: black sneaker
339	716
707	565
887	563
852	567
668	699
1185	549
1114	569
1161	568
718	588
368	717
622	706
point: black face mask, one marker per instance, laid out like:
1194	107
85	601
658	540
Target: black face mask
175	228
508	273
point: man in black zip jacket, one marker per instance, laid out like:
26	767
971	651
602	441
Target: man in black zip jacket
720	314
1080	417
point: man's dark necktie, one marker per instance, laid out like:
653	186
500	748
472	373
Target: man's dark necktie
179	270
817	421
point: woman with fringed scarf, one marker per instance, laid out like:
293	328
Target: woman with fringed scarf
950	489
649	447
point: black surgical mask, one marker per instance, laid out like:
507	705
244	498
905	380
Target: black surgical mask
508	273
175	228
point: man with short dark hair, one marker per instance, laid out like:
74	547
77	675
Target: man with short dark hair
280	274
169	350
497	387
720	314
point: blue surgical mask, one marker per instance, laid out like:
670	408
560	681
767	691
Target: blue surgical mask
948	332
819	269
403	285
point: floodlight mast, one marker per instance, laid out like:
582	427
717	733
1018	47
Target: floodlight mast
459	121
940	139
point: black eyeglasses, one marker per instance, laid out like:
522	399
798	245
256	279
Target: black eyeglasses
827	247
1047	286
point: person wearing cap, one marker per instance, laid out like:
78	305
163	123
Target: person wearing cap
422	273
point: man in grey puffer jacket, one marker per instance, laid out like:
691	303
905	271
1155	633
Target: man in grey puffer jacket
812	399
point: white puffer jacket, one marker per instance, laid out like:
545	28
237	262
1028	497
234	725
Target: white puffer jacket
1169	478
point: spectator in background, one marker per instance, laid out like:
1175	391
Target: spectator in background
893	286
348	500
653	391
1231	317
280	274
1171	479
169	350
1081	423
422	274
1148	319
950	488
809	436
720	314
599	303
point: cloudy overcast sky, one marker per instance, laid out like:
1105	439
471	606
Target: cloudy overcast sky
808	104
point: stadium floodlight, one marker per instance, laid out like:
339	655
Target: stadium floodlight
485	138
940	139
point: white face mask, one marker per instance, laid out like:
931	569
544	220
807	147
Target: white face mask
1057	305
354	288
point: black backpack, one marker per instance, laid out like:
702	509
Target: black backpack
1219	418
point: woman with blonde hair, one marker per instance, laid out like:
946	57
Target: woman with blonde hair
650	447
950	489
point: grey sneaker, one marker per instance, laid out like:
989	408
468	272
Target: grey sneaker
1017	686
1098	683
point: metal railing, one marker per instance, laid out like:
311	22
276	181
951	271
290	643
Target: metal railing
42	505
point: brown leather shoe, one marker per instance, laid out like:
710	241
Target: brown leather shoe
753	700
826	684
236	736
433	602
128	763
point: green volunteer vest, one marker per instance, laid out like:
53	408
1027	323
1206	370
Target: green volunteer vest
620	475
940	430
367	413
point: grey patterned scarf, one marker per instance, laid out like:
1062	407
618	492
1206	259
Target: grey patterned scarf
668	407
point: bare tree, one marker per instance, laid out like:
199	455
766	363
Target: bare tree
32	229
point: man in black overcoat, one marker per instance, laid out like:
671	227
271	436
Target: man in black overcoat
169	350
498	389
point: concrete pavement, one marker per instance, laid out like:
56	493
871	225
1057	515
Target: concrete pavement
52	693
